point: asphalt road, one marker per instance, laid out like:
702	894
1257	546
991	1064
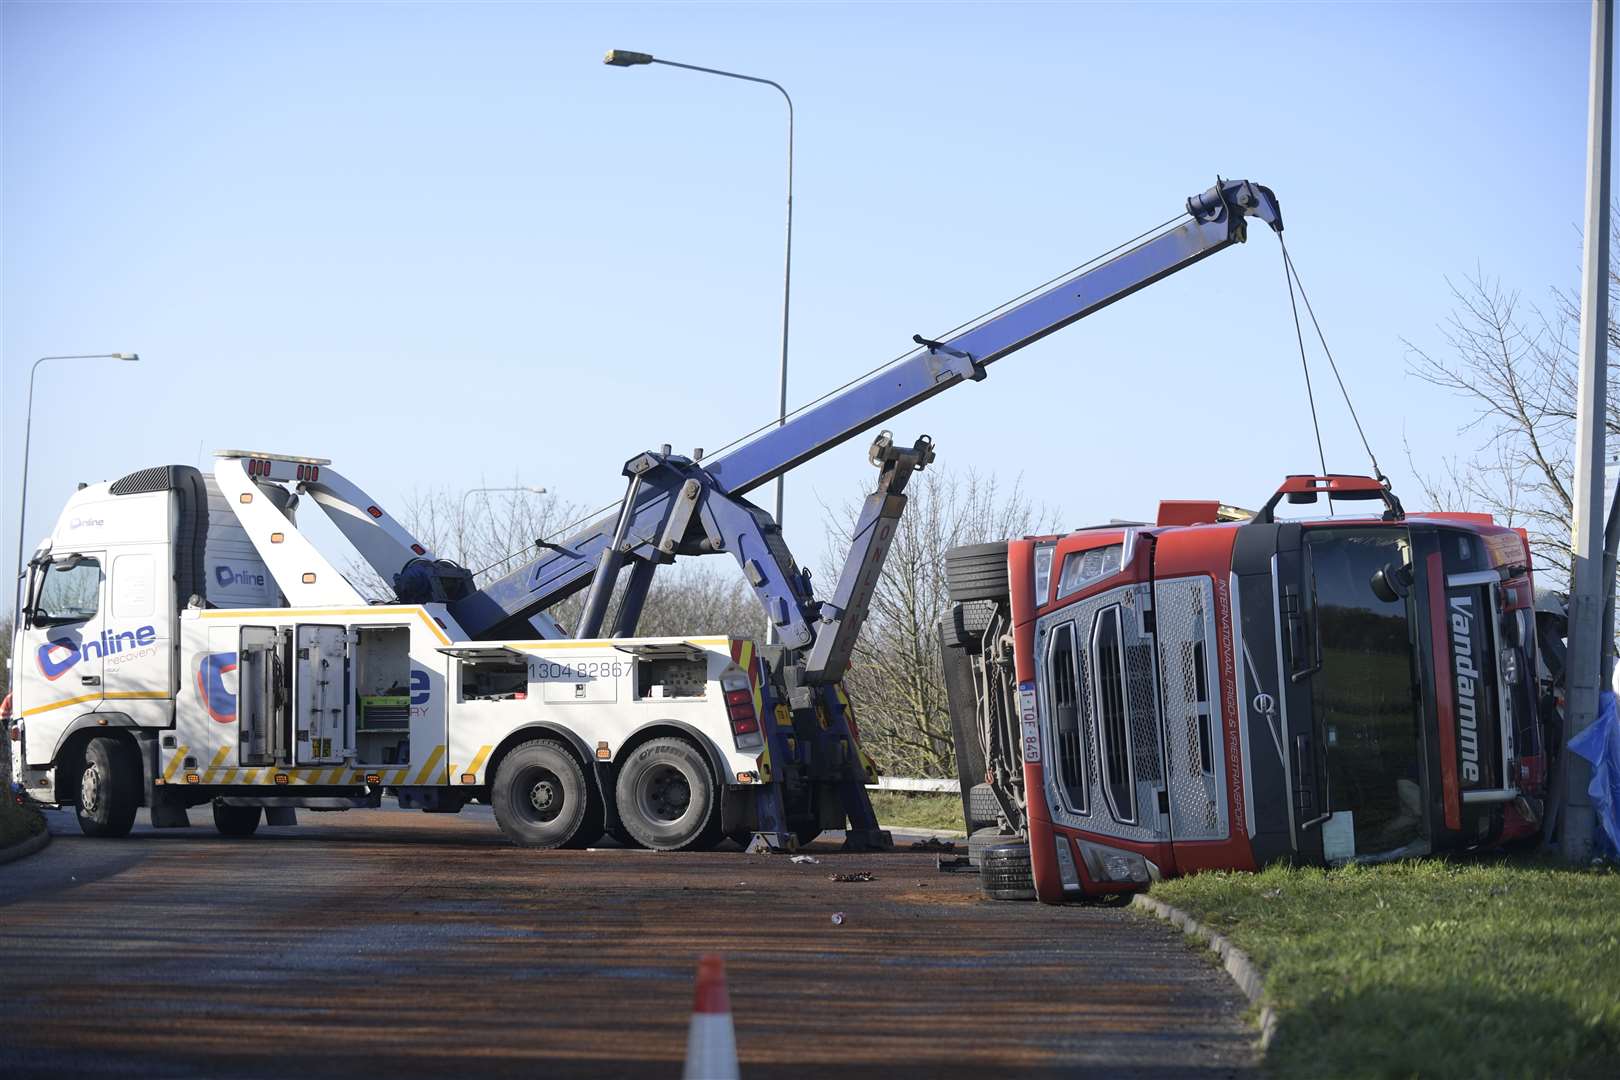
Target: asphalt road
390	942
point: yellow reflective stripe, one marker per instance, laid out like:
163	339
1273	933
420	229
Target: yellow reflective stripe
117	695
219	759
228	778
174	763
478	762
399	777
432	764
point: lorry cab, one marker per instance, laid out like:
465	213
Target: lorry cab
1220	689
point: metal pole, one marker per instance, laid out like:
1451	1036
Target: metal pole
1588	585
621	58
28	433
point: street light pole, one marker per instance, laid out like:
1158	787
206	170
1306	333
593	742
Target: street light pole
626	58
28	431
1589	586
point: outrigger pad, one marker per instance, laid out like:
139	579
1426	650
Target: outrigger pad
868	840
167	814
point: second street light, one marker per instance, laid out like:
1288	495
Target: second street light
626	58
28	431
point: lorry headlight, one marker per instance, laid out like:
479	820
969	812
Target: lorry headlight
1510	665
1106	864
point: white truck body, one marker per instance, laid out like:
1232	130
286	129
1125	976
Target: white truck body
234	694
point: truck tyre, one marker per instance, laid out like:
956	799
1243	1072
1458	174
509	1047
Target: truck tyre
109	787
983	806
976	572
966	624
1005	873
540	795
236	820
666	796
982	840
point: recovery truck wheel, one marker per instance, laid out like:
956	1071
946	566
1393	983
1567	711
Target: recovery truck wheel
236	820
109	787
540	795
666	796
1005	873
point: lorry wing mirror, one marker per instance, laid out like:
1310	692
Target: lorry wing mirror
68	562
1391	582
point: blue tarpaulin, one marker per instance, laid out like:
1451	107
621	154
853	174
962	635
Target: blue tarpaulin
1600	744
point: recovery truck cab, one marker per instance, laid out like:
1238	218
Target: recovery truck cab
1225	690
183	644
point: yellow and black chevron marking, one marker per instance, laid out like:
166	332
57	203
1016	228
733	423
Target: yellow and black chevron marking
431	773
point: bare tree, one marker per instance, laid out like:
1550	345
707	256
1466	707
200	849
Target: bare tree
895	679
1516	364
491	533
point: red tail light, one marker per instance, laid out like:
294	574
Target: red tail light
740	710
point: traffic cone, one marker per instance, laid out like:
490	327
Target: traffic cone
711	1043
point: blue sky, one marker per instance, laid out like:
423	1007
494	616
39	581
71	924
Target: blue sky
443	245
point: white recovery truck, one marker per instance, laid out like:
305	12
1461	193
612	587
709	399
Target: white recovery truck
183	644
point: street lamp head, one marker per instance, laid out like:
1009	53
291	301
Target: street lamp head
626	58
131	357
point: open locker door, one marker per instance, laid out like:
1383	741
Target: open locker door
321	695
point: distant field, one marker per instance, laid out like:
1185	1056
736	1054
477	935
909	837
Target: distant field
1428	968
917	810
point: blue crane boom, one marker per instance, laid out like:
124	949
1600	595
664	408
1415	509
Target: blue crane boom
675	505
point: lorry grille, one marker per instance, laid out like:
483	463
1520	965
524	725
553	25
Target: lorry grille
1190	693
1112	724
1111	757
1066	708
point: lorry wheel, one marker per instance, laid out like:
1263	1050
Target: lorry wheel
109	787
540	795
1005	873
976	572
666	796
236	820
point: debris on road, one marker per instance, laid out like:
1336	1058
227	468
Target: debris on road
856	875
954	864
838	918
804	859
934	843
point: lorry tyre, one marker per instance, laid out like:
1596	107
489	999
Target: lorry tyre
966	624
540	795
982	840
1005	873
983	806
236	820
666	796
109	787
977	572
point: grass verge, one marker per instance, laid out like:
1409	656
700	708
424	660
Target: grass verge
18	823
917	809
1428	968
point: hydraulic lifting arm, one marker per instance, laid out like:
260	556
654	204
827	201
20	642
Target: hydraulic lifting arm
675	505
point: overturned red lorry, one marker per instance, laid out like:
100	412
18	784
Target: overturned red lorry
1226	689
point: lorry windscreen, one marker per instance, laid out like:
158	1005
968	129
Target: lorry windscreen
1365	690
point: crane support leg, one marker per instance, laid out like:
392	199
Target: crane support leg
842	616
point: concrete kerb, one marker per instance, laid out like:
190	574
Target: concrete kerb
1243	971
27	847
